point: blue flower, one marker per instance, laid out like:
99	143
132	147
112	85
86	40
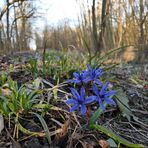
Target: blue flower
104	95
93	75
78	77
80	100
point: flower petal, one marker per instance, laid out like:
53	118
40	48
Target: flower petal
75	107
104	88
90	99
84	73
75	93
71	101
109	101
90	68
99	72
83	109
101	104
111	93
76	81
88	79
76	75
82	93
97	81
95	89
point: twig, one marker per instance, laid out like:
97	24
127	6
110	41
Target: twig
138	131
131	137
140	111
17	145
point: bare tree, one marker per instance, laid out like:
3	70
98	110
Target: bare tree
94	27
17	36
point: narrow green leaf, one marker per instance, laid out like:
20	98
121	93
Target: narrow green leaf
97	114
122	102
48	135
24	130
117	138
39	106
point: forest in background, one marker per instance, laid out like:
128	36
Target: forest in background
85	86
102	26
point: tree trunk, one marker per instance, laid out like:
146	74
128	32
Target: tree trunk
105	13
94	27
7	19
141	40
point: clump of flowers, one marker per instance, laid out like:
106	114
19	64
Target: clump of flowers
90	90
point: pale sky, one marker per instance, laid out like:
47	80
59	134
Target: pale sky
57	10
54	11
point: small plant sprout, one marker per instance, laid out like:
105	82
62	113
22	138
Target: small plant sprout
92	90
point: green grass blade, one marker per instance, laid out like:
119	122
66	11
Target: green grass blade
41	106
111	134
48	135
24	130
97	114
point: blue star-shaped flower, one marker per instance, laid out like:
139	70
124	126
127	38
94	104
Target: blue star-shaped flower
79	77
104	95
93	75
80	100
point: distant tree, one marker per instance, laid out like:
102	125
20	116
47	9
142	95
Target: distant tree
17	36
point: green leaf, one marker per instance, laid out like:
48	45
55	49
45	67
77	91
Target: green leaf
55	93
33	95
6	110
97	114
37	82
24	130
3	98
117	138
12	107
39	106
48	135
111	143
123	105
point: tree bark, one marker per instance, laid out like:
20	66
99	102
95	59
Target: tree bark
105	13
94	27
7	20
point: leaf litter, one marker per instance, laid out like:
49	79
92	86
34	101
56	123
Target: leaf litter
69	130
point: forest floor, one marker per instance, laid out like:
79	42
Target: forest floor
70	130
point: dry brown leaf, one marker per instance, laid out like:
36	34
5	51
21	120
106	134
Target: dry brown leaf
41	134
64	129
76	136
104	144
87	145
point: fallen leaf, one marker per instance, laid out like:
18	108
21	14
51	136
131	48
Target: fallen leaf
64	129
87	145
104	144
